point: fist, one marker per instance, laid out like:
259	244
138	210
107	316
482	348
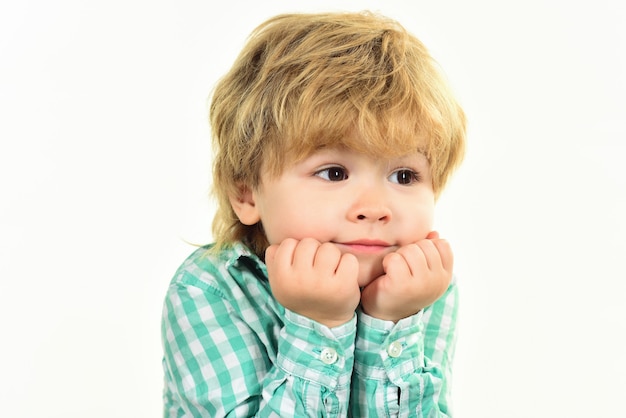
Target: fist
314	280
416	275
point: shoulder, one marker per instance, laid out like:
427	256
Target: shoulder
230	284
220	270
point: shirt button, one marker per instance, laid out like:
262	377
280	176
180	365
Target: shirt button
328	356
394	349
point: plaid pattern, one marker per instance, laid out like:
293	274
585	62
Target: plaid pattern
231	350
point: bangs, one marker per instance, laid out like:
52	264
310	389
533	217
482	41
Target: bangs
390	120
383	136
377	92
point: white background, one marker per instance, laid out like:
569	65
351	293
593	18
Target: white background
104	174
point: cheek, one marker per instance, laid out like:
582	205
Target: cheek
295	220
417	225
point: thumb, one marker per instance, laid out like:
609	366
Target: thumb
432	235
372	297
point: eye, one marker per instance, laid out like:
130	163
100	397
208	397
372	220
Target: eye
333	173
404	176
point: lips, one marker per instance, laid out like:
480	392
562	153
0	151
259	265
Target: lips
365	246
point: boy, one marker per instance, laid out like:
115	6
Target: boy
326	292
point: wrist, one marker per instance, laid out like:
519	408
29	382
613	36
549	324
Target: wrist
332	322
390	315
312	351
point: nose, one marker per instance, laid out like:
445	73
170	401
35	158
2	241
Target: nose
370	206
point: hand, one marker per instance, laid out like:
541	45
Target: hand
416	275
314	280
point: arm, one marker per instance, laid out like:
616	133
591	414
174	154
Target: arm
404	369
314	369
407	329
222	359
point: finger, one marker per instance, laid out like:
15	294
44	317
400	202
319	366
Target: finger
284	254
445	253
414	257
304	253
348	267
270	254
431	254
327	257
396	265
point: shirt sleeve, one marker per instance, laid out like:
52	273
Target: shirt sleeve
404	368
314	369
216	365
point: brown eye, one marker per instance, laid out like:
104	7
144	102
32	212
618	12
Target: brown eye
334	173
404	176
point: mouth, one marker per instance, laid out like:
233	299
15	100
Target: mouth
365	246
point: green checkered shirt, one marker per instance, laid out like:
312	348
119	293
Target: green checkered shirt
230	349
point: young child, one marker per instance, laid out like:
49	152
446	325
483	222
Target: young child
326	292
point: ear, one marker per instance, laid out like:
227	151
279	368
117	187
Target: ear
244	206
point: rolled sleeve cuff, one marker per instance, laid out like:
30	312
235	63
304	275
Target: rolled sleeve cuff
316	353
388	350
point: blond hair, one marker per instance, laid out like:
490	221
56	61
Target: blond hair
307	81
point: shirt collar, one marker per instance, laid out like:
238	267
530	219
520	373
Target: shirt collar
240	255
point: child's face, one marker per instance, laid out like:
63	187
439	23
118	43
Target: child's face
366	206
